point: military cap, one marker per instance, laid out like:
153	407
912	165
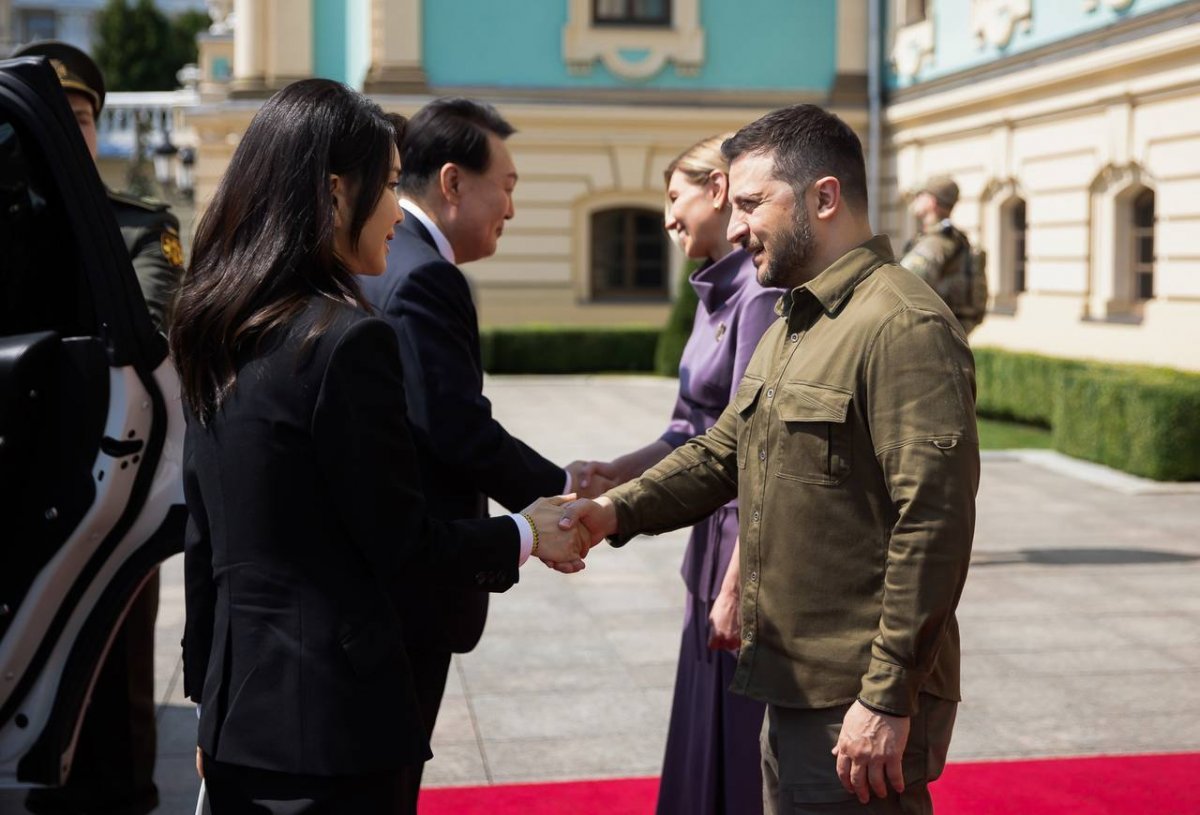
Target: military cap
76	70
943	189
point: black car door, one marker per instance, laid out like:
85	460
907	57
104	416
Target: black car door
90	428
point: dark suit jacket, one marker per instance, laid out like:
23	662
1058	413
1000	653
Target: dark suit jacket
464	453
306	512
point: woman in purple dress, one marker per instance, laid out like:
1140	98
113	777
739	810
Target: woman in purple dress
711	764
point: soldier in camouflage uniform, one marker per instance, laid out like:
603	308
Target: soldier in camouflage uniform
113	769
940	251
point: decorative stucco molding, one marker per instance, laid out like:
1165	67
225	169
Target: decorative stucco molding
995	21
1115	5
633	52
912	48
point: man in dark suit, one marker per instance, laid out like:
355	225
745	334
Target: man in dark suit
457	182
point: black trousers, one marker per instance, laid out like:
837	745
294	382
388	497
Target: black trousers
237	790
429	670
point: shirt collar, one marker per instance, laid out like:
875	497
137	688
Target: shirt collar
833	286
439	238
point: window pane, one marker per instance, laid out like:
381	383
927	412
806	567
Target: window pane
1145	249
1143	209
1145	285
651	11
629	254
610	9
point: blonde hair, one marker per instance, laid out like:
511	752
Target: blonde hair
699	161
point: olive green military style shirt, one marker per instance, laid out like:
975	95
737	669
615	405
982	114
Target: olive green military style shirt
852	448
151	235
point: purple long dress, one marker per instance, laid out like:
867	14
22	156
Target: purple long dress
711	764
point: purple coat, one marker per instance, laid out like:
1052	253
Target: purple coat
733	313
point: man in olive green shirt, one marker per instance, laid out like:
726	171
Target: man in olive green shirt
851	446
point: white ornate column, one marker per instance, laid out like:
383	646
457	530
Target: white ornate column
249	56
850	82
396	53
289	41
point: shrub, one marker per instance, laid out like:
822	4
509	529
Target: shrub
1143	421
548	349
1139	419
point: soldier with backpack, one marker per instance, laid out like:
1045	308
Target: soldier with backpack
943	257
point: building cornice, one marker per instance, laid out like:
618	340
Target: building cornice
1056	58
1078	79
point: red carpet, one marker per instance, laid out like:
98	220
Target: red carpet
1100	785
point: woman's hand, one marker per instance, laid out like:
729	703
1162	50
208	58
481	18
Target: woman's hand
591	479
726	622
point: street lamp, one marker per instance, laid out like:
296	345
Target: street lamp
164	156
184	171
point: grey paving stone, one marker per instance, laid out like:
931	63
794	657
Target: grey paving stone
455	765
454	724
585	713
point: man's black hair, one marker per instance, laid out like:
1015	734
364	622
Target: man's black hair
449	130
807	143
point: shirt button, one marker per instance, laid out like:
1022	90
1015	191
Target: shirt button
794	338
753	577
749	636
755	516
770	392
762	455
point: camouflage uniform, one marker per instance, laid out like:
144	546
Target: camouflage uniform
937	256
151	235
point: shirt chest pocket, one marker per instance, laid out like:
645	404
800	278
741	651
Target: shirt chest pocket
744	402
814	442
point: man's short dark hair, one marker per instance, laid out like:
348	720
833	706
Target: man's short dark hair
807	143
449	130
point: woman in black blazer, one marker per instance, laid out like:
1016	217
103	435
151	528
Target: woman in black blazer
300	476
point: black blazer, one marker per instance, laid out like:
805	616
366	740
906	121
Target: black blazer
306	512
465	455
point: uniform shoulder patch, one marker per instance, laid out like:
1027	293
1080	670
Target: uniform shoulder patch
172	249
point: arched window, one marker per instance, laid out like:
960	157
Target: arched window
1142	246
629	255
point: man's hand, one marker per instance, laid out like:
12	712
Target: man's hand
590	479
595	519
869	751
726	622
564	548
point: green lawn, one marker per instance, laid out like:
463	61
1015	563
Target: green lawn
997	435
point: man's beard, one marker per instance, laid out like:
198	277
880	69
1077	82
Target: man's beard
789	260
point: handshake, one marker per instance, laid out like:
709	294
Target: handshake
566	527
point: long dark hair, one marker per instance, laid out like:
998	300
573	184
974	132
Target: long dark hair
265	244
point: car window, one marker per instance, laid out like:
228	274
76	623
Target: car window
42	285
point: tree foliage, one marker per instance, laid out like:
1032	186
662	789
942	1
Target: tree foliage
140	49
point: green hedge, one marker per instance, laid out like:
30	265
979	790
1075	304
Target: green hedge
1139	419
548	349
